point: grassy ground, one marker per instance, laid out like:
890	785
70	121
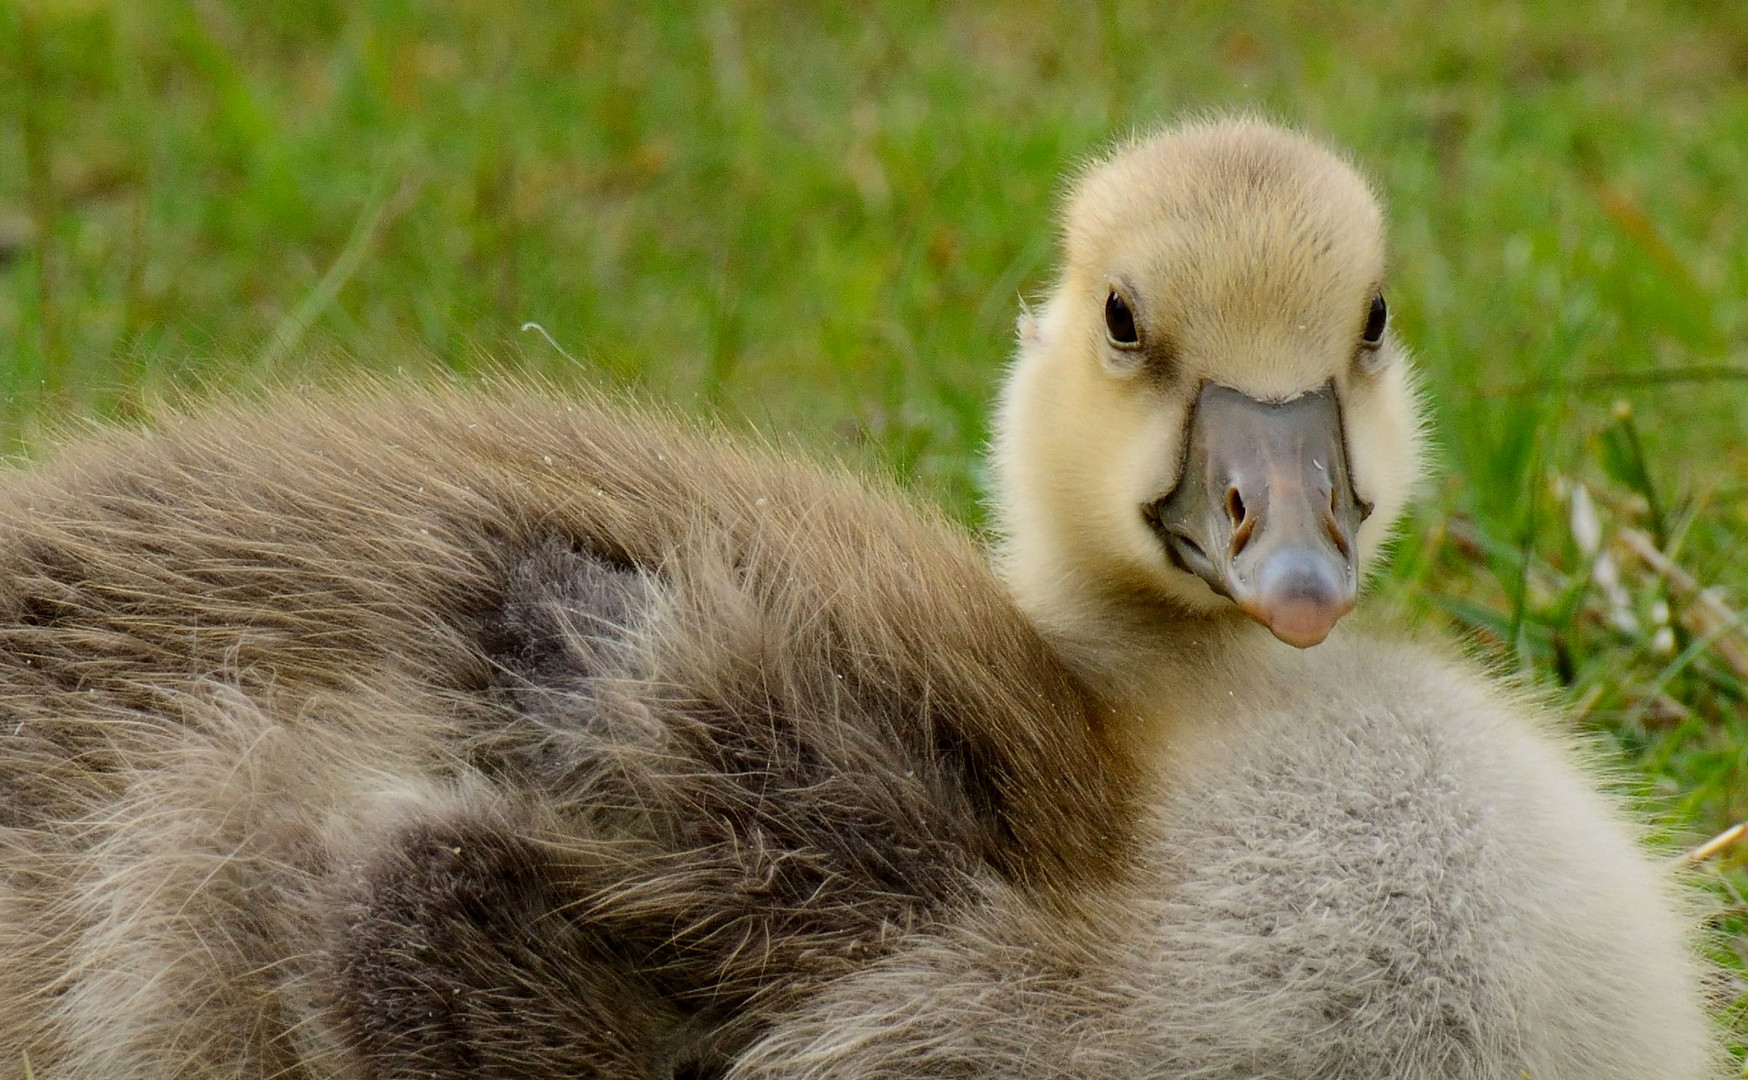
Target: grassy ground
820	217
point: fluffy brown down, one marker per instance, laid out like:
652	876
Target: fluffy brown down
425	735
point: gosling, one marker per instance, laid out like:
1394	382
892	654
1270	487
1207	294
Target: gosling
1364	858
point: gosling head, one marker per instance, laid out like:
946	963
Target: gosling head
1210	413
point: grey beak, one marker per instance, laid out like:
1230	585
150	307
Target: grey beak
1264	511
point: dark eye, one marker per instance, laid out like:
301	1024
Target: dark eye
1120	322
1375	320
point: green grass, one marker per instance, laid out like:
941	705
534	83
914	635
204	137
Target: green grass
821	218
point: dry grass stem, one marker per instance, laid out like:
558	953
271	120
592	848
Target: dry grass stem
1705	614
1713	847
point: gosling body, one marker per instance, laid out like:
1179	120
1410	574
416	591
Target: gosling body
421	735
1343	876
1369	857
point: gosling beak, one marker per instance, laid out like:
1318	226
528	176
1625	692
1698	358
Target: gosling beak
1264	511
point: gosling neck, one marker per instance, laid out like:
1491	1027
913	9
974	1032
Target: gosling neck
1142	648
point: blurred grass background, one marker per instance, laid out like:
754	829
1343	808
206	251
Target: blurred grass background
821	218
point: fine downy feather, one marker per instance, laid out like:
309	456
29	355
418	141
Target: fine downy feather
417	735
425	737
1371	864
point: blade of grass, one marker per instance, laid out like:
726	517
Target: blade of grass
291	329
39	172
1638	471
1618	380
1681	663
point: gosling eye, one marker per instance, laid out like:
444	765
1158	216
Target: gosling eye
1120	328
1376	318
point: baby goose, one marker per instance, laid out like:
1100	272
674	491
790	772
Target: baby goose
1366	859
452	738
442	736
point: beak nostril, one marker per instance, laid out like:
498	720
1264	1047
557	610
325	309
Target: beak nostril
1337	537
1243	524
1241	536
